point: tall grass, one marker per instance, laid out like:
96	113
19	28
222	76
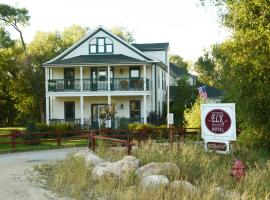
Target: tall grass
203	169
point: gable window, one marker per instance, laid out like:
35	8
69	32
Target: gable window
101	45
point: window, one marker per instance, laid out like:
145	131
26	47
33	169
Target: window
101	45
69	107
134	72
135	109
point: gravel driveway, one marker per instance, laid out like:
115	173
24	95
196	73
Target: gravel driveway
13	172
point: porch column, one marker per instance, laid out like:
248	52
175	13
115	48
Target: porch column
51	108
47	110
81	108
144	77
46	79
109	122
81	77
109	78
144	110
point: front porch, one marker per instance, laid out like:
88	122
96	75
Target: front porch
86	110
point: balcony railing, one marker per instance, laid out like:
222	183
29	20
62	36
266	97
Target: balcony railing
116	84
63	85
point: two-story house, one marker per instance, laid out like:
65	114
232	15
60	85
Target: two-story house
103	70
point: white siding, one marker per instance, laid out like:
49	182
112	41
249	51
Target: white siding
159	55
118	48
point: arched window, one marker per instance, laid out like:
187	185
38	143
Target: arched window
100	45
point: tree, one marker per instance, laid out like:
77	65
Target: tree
123	33
192	116
5	40
11	16
244	61
184	97
178	61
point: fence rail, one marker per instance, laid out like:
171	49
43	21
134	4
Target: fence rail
125	137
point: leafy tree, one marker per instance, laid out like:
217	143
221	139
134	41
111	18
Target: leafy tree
5	40
192	116
178	61
11	16
184	97
244	60
123	33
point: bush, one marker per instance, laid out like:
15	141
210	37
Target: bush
192	116
151	131
31	127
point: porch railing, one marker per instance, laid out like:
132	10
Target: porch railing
63	85
116	84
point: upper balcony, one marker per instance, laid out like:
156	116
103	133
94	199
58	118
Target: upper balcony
98	79
116	84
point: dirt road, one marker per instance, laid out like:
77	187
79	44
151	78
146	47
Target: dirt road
14	184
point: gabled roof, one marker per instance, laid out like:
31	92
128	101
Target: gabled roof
89	35
178	71
98	60
152	46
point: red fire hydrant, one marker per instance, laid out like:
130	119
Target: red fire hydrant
238	170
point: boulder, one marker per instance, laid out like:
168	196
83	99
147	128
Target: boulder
154	168
153	181
183	186
226	194
90	158
118	169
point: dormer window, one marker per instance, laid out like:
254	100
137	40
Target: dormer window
101	45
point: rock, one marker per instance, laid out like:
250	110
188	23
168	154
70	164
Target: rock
154	181
154	168
90	157
183	185
119	168
225	194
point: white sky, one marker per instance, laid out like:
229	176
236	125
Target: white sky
185	24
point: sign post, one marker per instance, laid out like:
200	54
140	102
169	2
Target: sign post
218	126
170	123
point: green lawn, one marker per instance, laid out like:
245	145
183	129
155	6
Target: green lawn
4	148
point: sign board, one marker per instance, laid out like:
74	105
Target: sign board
218	125
170	118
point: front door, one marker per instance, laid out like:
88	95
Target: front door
135	110
95	115
69	78
69	107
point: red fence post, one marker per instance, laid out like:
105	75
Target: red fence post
128	145
181	135
58	137
93	141
13	138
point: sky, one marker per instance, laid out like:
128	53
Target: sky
185	24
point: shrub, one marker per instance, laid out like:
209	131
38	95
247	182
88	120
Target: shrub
192	116
31	127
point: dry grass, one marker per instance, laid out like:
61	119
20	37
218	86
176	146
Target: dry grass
204	170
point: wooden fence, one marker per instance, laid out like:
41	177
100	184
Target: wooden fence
124	137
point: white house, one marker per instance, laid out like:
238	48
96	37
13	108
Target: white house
101	69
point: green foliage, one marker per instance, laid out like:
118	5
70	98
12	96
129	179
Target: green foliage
5	40
192	116
123	33
184	98
242	63
178	61
151	131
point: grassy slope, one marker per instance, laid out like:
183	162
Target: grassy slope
205	170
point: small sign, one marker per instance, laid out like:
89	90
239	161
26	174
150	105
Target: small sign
217	146
218	126
170	118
